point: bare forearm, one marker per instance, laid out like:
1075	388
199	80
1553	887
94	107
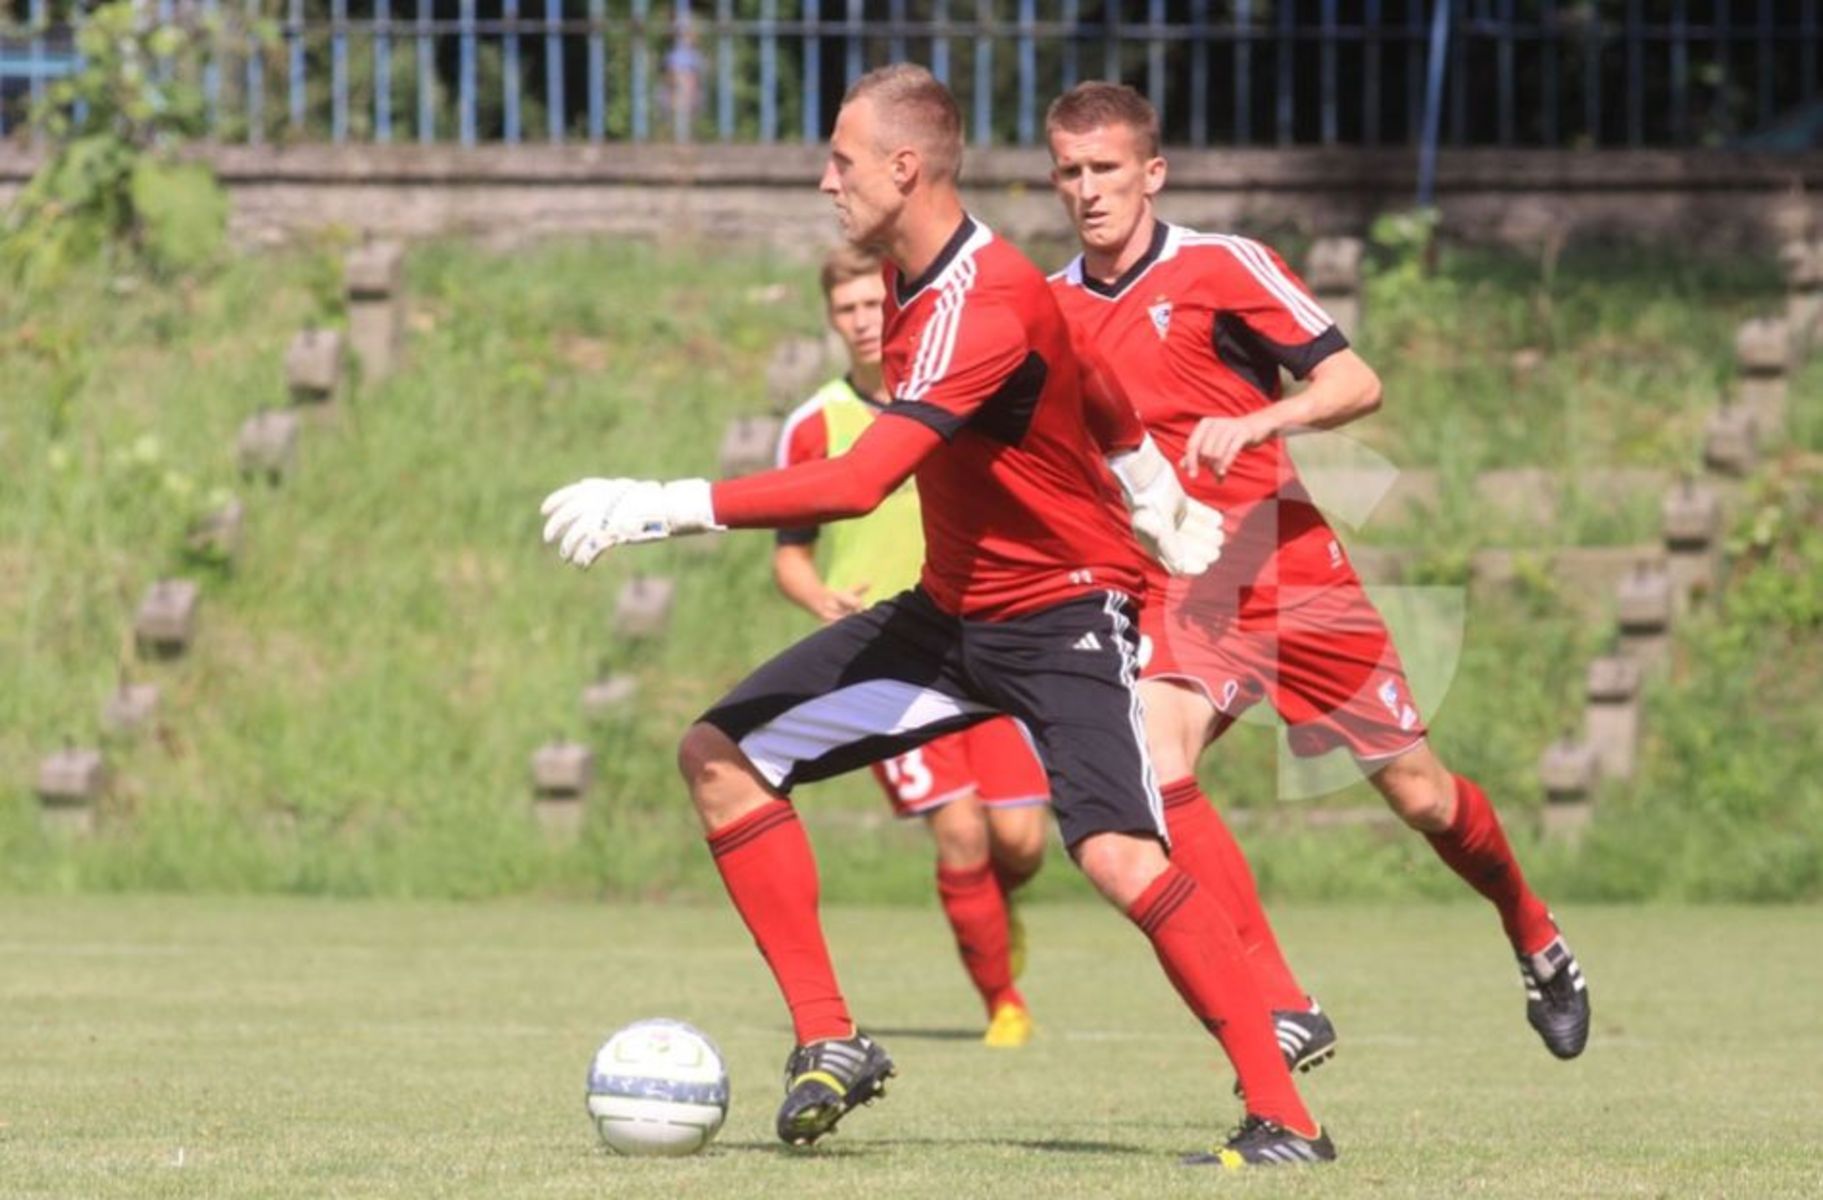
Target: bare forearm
794	570
1343	388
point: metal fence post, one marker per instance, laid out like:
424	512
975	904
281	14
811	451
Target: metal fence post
984	73
556	118
769	71
338	71
256	78
939	48
642	69
598	71
427	75
1028	71
1433	103
813	73
382	70
509	71
465	74
294	36
1199	72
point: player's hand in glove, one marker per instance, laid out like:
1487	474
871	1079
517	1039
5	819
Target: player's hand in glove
591	515
1183	534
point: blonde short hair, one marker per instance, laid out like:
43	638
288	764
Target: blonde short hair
1093	104
914	109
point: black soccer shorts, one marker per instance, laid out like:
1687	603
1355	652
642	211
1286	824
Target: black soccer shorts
883	681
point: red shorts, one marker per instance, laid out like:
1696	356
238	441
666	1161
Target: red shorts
1292	626
994	759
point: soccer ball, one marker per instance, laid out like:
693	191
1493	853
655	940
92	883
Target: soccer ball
657	1087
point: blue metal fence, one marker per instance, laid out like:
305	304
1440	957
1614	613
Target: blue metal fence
1222	72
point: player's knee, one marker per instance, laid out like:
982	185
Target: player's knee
704	757
1417	797
959	829
959	850
1120	866
696	750
1019	848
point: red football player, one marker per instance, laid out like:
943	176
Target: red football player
1196	328
981	792
1026	605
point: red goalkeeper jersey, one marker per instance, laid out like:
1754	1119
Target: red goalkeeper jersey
1016	506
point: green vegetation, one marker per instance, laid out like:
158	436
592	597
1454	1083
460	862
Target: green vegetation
373	673
114	186
179	1047
1632	350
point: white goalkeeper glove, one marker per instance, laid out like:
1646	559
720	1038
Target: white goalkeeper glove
591	515
1183	534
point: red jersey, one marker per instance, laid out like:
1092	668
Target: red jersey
1015	507
1200	327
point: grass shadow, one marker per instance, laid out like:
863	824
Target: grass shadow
910	1033
844	1150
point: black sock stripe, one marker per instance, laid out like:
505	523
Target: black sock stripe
1168	902
719	845
1178	797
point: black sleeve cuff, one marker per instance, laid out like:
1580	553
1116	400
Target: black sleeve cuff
1302	360
805	536
944	422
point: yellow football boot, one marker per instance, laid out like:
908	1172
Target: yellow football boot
1011	1028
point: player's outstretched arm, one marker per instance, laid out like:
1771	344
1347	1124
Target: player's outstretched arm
590	516
1343	388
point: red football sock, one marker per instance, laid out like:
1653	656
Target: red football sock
1196	945
1476	848
1202	846
771	876
977	912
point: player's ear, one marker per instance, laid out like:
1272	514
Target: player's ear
1155	175
906	165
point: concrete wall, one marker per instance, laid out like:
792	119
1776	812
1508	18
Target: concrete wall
1711	199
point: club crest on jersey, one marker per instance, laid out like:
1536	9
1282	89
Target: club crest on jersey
1160	312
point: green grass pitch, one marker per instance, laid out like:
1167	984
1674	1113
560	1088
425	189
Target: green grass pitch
201	1048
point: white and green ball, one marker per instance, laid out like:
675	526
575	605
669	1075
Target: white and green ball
658	1087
